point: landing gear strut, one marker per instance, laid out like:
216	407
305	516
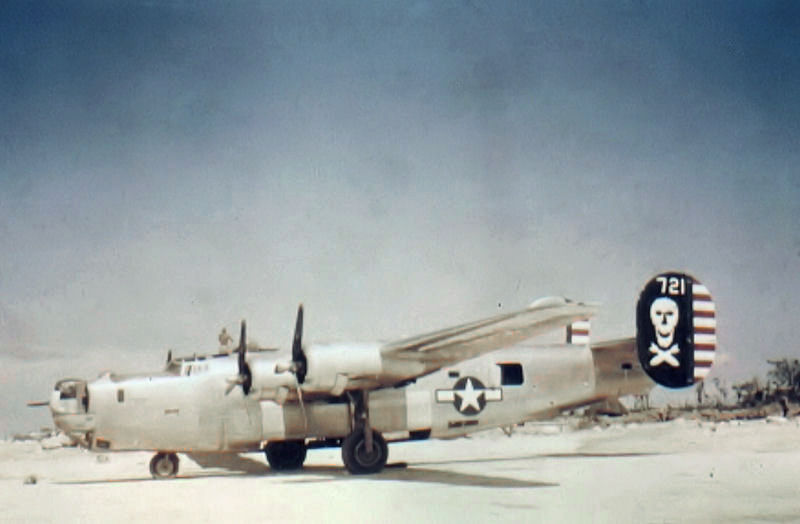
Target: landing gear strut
363	450
164	465
286	455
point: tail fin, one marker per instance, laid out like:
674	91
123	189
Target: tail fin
676	330
578	332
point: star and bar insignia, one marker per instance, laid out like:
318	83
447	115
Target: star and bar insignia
469	396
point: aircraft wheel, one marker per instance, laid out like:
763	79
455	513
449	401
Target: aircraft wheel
286	455
356	458
164	465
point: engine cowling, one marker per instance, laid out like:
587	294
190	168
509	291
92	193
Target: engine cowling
268	383
333	368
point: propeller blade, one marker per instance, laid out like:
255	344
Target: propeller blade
239	380
297	344
242	347
38	403
298	356
232	383
243	337
244	378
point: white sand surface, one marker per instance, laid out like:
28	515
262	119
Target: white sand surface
681	471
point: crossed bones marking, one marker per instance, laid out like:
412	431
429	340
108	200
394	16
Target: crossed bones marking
664	355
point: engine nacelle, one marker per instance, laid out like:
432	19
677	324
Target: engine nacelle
268	383
332	367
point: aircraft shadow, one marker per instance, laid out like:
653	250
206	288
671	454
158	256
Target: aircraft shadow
228	461
402	473
238	465
312	474
533	457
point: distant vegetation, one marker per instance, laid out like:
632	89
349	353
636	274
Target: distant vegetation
776	394
781	385
759	396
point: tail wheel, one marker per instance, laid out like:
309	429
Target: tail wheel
164	465
357	459
286	455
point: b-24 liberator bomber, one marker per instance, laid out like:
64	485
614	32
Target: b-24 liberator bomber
359	396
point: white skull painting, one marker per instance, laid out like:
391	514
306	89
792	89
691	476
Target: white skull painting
664	316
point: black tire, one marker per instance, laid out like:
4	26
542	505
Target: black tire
355	456
286	455
164	465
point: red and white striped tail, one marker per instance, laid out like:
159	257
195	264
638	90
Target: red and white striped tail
578	332
676	330
705	330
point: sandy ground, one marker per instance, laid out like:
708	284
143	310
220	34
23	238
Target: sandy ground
681	471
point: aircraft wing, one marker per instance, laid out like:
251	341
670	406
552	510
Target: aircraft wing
448	346
333	369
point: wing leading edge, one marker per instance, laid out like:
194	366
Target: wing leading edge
455	344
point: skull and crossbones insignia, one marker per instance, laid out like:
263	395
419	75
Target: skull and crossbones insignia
664	315
675	330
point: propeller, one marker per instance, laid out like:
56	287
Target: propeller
298	355
244	378
38	403
299	364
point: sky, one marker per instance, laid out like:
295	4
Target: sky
169	168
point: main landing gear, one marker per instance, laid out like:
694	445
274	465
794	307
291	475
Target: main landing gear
357	457
363	450
286	455
164	465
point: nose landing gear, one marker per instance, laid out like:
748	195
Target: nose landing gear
164	465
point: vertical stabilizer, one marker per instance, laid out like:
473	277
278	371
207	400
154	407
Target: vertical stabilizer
676	330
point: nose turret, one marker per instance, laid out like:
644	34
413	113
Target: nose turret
69	404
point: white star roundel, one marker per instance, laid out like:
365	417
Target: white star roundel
469	396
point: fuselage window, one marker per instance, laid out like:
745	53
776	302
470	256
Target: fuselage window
511	374
120	395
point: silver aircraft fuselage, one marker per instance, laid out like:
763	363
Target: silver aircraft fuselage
191	406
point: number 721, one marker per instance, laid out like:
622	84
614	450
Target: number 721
672	285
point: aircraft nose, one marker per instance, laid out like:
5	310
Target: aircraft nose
79	426
69	404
